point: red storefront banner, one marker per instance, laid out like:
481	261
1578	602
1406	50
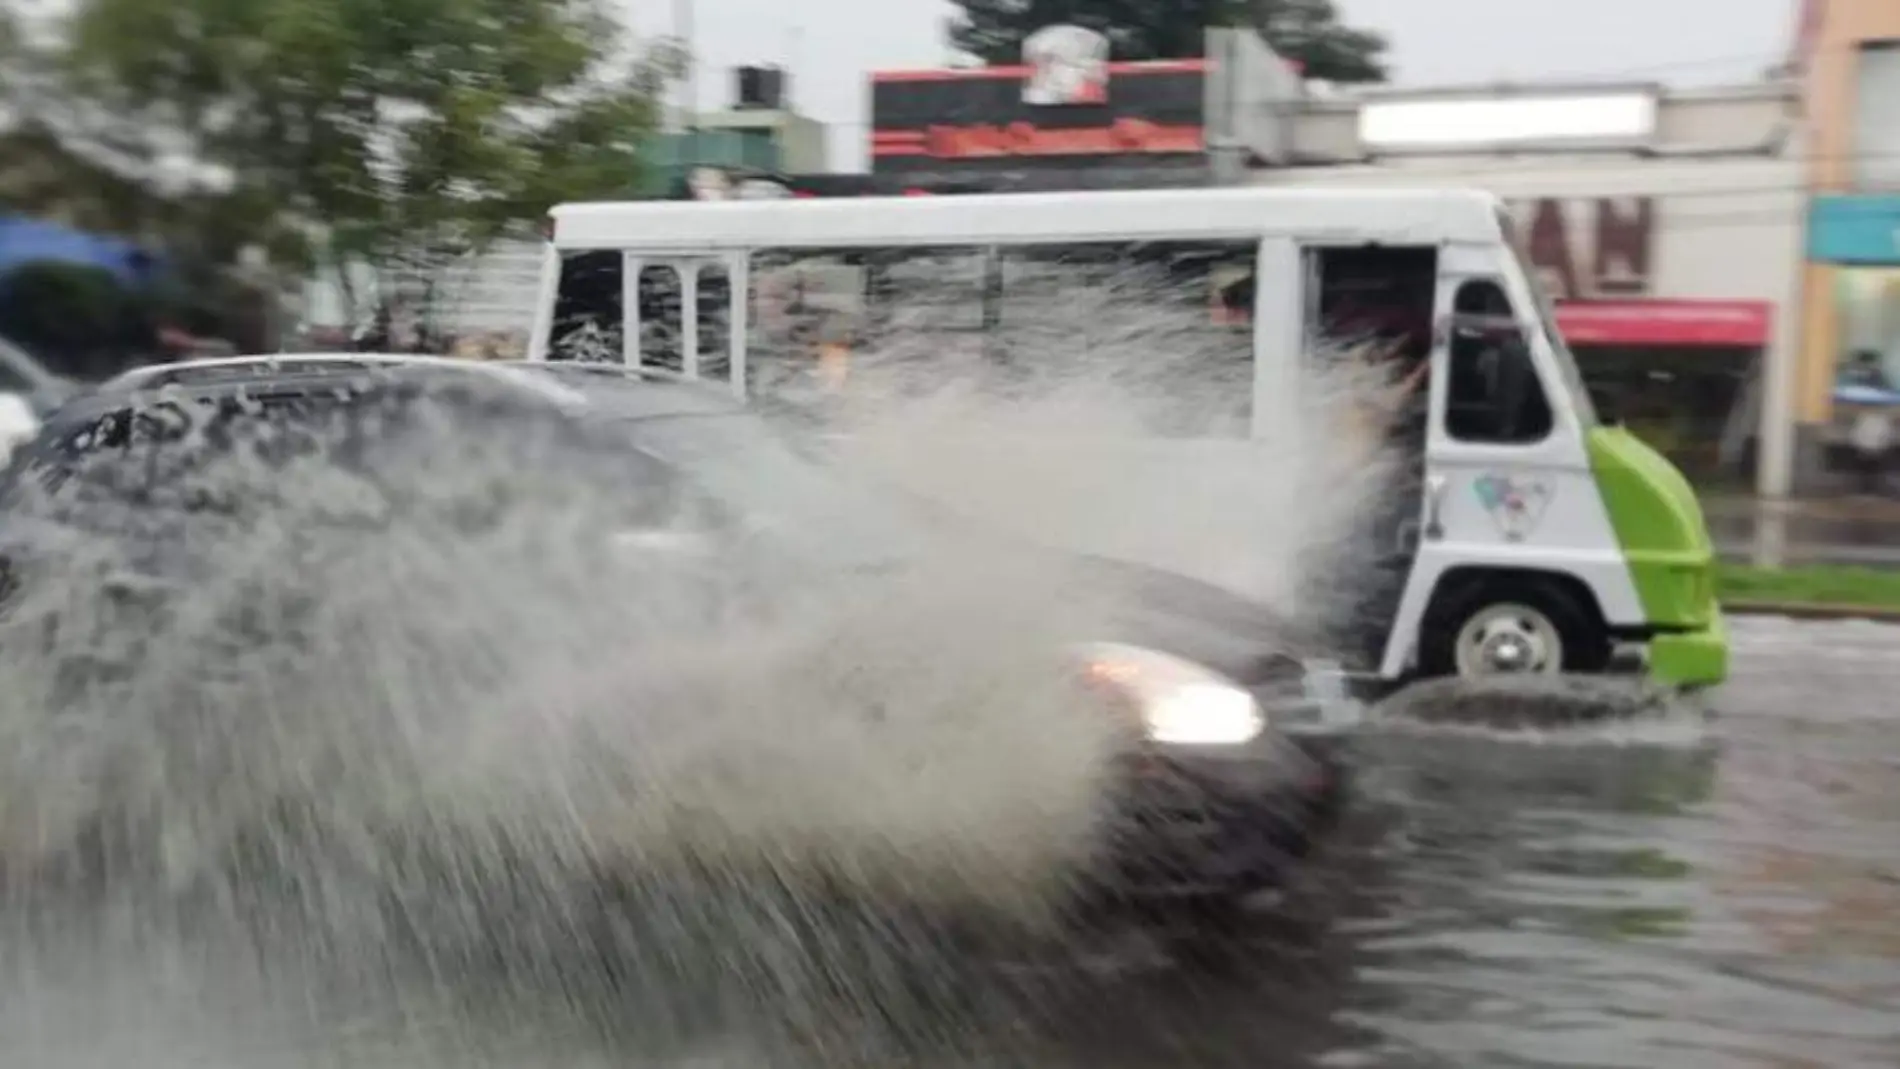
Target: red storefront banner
1119	137
1738	324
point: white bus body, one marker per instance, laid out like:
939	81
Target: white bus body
1542	539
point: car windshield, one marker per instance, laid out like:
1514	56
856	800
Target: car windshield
779	490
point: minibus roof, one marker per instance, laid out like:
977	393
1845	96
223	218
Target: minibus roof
1385	216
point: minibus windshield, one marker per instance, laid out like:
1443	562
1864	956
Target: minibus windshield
1547	321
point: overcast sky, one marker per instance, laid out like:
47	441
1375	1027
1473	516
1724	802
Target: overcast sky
829	45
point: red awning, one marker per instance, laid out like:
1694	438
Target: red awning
1740	324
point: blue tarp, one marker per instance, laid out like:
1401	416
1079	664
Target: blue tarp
1856	394
24	241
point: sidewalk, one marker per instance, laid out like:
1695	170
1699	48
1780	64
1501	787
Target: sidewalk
1843	507
1799	611
1843	530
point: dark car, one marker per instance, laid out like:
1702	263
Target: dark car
1214	801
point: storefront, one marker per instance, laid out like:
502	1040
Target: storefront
1848	55
1854	243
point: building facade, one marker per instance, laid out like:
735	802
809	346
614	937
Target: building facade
1068	118
1847	395
760	138
1667	224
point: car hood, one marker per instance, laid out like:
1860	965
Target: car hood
1231	634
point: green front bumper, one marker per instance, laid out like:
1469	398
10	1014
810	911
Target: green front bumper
1691	659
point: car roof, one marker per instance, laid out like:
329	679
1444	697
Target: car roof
238	372
609	390
631	392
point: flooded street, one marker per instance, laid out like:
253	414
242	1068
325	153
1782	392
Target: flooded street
417	770
1519	902
1724	897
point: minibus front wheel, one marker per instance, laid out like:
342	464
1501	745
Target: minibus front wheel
1512	625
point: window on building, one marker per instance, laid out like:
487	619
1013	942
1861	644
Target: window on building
1492	390
1876	150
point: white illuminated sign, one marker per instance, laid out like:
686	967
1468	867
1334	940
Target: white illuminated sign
1450	123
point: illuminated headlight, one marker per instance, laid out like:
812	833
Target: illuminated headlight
1180	702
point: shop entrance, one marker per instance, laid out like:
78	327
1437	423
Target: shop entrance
1699	406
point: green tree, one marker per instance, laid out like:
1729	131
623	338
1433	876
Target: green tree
399	133
1308	31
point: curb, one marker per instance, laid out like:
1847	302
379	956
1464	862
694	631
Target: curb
1798	610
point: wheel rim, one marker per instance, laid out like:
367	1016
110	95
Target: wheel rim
1509	640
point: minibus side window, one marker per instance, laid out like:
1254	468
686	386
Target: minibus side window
588	319
1166	327
661	327
1572	378
1492	391
823	318
663	322
715	326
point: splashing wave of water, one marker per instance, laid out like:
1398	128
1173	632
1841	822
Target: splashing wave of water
302	756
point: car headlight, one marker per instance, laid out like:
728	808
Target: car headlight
1180	702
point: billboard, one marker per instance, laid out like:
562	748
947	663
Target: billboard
1069	115
1066	109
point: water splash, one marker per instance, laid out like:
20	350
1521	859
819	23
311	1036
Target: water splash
401	763
1554	711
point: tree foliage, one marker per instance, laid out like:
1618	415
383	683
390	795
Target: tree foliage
1308	31
397	132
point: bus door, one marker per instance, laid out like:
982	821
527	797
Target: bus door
1497	471
1371	305
706	343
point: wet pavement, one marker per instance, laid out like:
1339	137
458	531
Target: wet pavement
1676	891
1726	897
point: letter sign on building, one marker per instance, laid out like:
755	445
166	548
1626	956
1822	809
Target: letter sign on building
1589	249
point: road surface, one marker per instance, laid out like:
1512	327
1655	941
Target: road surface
1623	904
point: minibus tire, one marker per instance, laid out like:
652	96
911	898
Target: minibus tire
1585	643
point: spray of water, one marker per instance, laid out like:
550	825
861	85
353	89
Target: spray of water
1568	711
311	752
1111	416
